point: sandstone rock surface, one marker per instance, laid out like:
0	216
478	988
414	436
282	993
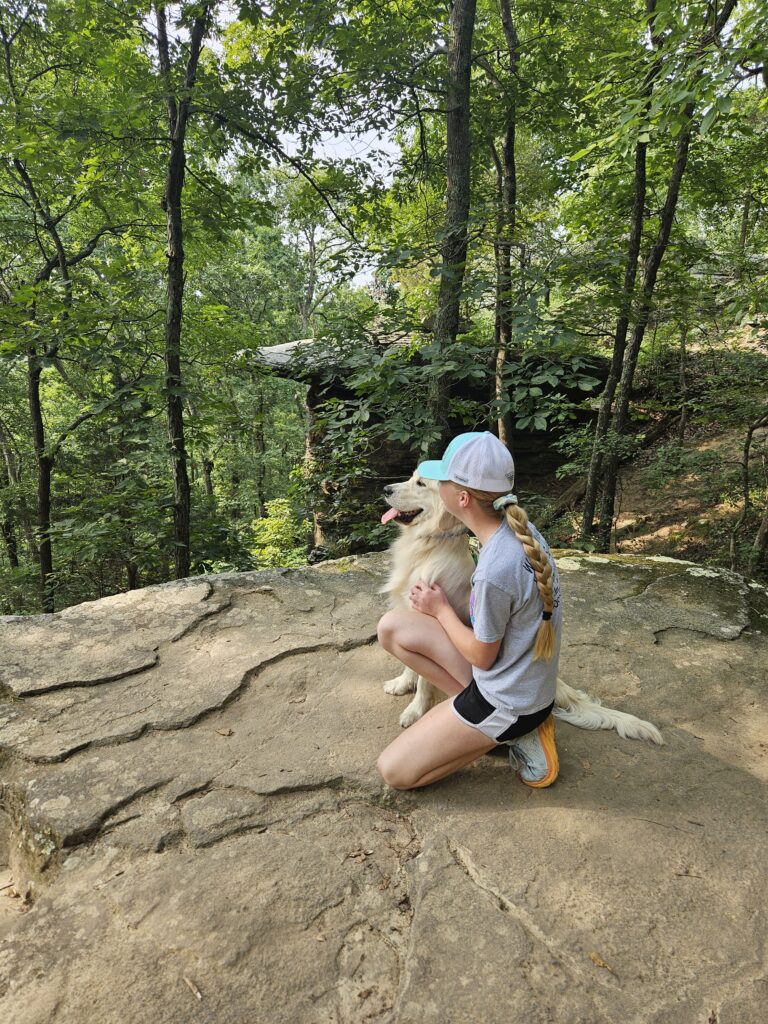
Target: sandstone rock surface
188	797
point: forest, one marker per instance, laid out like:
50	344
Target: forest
545	218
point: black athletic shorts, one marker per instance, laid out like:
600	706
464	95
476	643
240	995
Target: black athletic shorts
498	724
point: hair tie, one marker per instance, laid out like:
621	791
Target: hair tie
504	500
546	616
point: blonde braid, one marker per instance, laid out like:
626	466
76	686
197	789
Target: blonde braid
517	519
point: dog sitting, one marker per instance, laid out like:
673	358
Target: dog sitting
432	545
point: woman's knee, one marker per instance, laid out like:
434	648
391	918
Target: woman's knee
391	771
387	629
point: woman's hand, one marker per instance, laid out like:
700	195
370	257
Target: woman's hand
426	599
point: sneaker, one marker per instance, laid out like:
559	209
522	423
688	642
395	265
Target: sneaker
535	755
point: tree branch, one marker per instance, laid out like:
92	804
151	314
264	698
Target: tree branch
91	413
271	144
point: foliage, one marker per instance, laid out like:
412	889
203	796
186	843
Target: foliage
314	208
281	537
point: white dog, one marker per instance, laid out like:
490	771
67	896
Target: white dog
434	546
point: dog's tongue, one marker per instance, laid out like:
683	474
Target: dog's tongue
390	514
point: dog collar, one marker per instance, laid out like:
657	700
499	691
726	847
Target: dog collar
457	531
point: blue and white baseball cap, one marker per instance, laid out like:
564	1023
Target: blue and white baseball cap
477	459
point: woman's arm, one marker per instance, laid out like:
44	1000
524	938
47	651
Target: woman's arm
432	601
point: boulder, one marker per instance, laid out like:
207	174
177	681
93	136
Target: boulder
191	814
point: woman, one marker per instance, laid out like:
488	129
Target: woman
501	672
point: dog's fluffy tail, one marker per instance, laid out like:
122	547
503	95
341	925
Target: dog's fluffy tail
587	712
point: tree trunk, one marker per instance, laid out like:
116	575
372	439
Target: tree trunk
756	552
9	536
573	494
8	525
650	273
235	512
760	546
683	386
503	319
312	439
207	476
178	114
44	468
45	218
454	254
24	518
8	478
619	341
45	460
625	307
260	448
744	224
308	298
506	175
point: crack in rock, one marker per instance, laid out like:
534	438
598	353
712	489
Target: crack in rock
216	813
658	634
463	859
304	899
140	665
25	734
334	782
40	837
718	607
215	607
85	645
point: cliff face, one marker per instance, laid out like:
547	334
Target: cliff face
189	796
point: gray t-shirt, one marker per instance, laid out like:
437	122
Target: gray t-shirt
505	603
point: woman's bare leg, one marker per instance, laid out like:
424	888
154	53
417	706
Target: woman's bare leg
435	746
421	643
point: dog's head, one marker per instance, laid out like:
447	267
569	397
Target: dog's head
416	504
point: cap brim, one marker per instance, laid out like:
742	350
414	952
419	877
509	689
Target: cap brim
432	470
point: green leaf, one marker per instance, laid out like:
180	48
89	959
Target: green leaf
583	152
707	119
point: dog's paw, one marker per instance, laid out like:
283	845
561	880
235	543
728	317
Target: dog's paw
413	713
404	683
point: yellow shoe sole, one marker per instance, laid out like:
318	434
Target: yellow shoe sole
546	733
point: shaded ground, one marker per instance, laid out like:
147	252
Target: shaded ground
671	502
685	511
